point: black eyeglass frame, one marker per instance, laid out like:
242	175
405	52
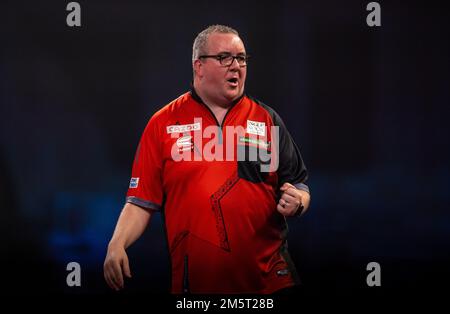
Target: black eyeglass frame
222	57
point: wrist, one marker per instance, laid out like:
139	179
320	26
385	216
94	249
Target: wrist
115	244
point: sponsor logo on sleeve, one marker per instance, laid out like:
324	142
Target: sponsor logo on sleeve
134	182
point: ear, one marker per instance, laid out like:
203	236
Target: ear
198	68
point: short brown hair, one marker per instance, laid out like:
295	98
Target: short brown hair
199	46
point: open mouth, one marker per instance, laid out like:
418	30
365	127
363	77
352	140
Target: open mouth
233	81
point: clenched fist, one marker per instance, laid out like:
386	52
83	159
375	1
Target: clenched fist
293	201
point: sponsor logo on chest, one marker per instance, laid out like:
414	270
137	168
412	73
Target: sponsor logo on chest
185	143
181	128
256	128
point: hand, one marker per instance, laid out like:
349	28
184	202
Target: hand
290	201
116	264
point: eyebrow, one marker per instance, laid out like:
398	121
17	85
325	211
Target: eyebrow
229	53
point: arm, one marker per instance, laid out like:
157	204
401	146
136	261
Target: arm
295	198
131	224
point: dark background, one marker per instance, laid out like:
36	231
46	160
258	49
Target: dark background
367	106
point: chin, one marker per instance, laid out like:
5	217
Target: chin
232	95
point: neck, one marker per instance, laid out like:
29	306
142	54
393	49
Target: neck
218	109
209	101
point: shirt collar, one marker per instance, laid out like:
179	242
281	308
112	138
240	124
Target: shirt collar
199	100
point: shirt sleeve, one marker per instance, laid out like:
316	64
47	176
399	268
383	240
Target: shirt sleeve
291	167
145	189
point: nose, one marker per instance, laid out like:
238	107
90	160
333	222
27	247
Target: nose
235	65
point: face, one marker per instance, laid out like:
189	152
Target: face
221	84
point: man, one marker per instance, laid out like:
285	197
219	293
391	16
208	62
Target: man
224	217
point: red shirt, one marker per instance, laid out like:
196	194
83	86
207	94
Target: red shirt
224	232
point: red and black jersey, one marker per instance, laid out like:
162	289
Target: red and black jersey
224	232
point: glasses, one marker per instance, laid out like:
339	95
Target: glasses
227	59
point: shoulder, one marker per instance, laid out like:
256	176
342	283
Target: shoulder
270	111
164	113
160	118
